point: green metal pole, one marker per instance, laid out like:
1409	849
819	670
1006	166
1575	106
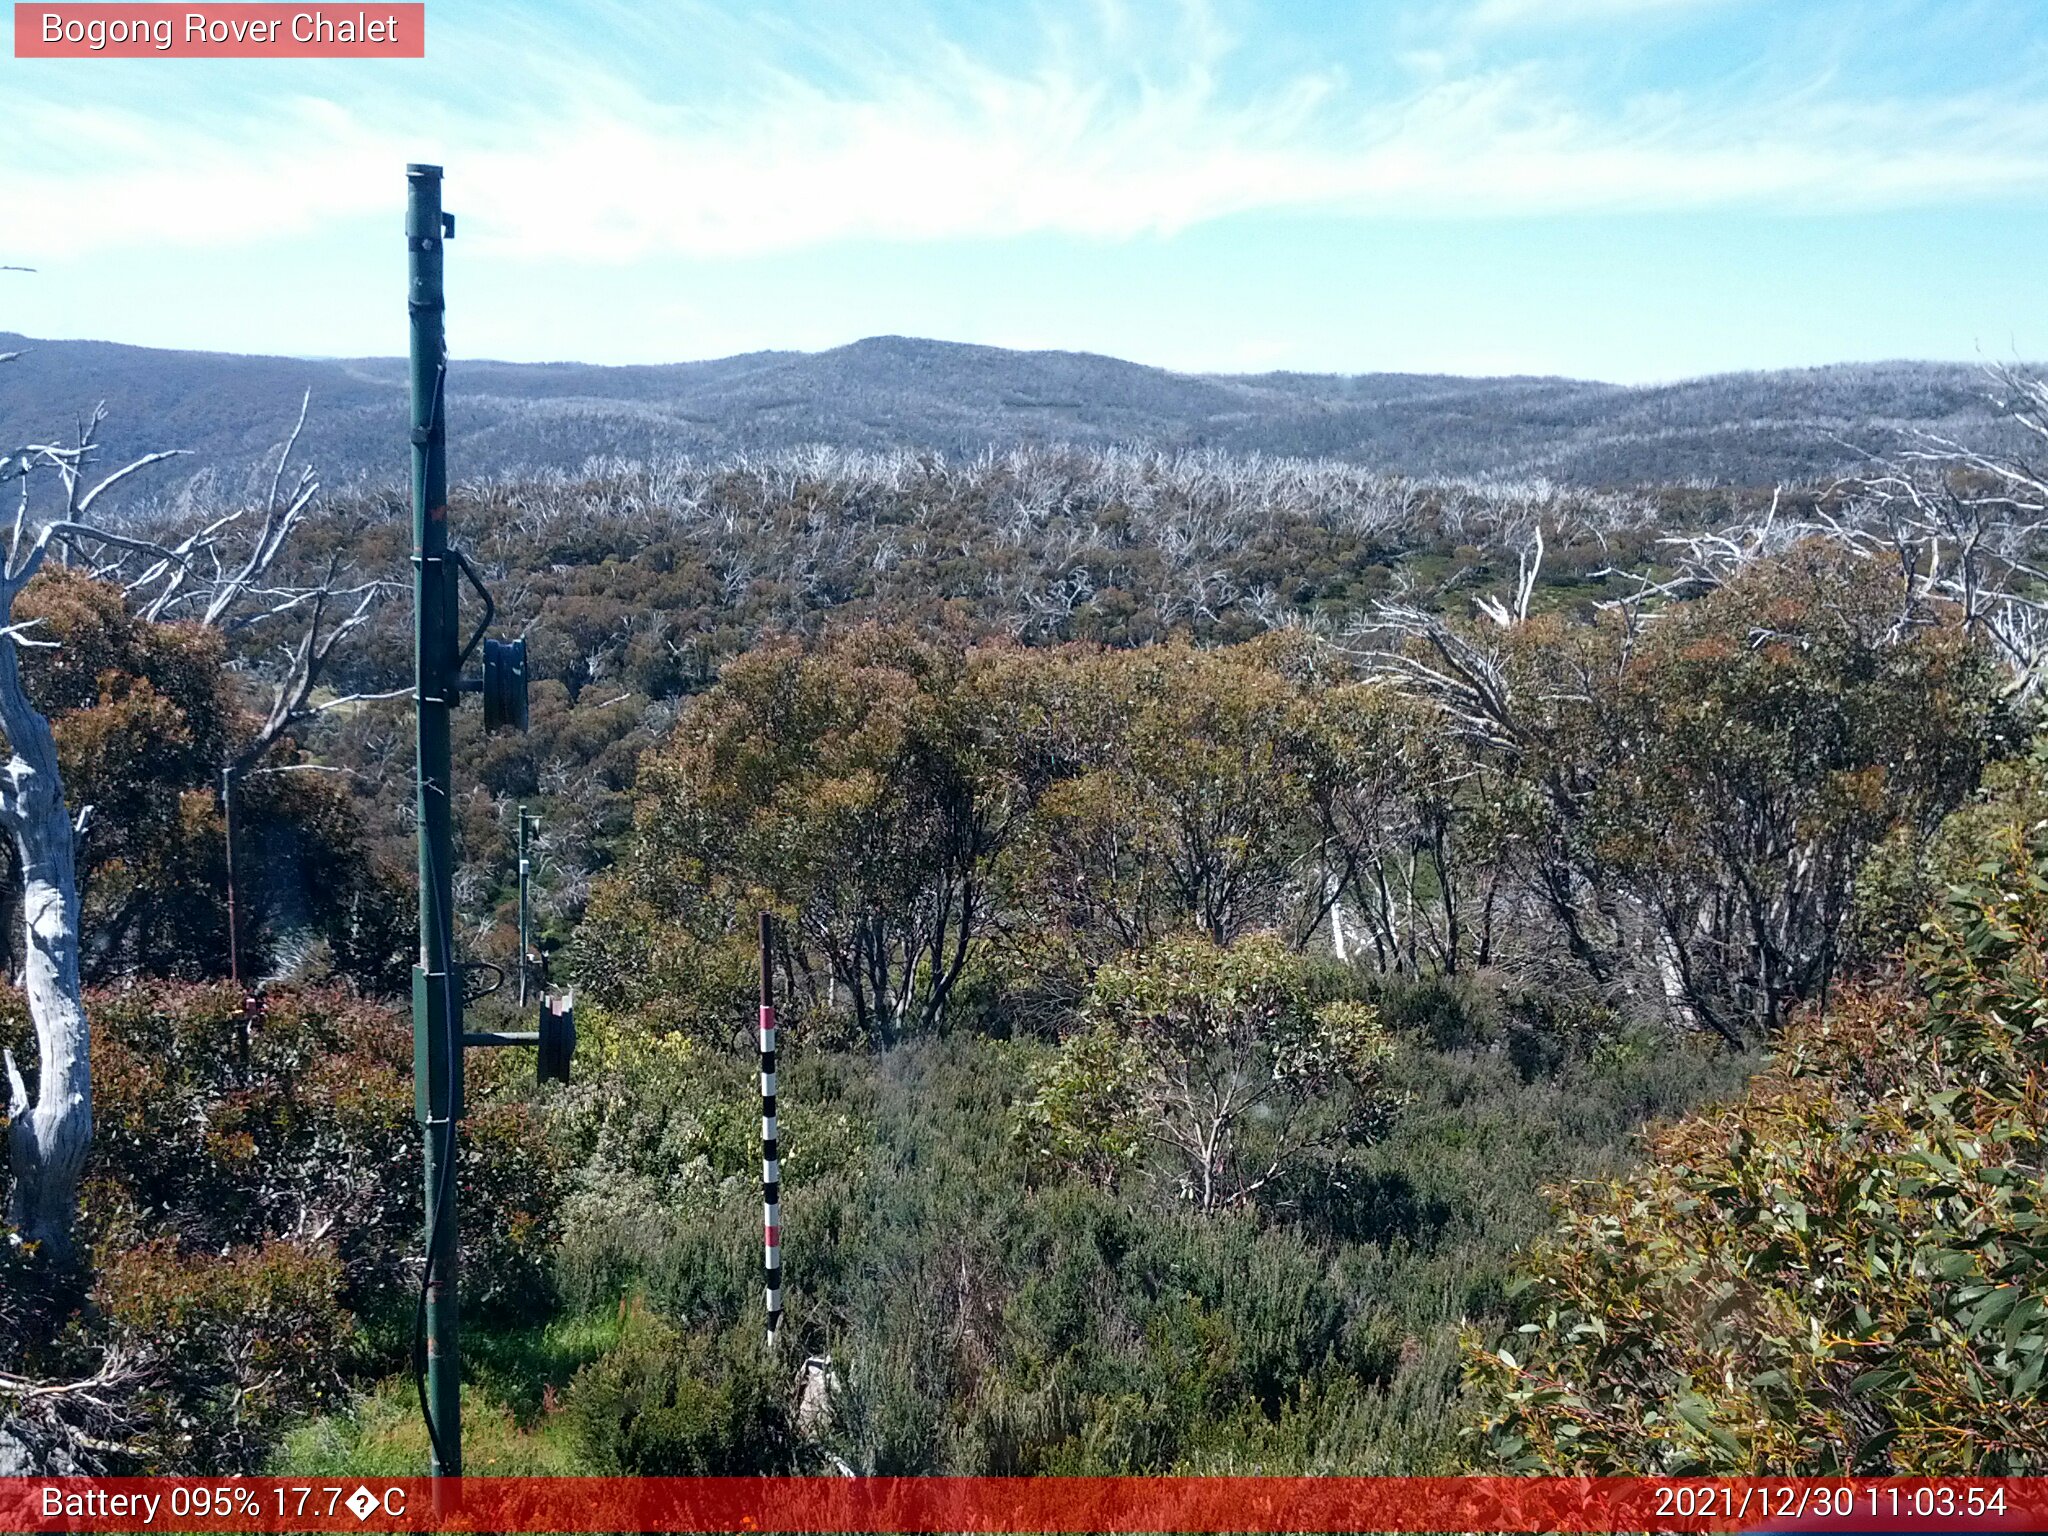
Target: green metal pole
436	993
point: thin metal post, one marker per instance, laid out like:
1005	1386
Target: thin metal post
771	1151
525	932
436	992
227	816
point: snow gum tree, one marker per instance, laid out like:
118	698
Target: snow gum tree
47	1131
217	576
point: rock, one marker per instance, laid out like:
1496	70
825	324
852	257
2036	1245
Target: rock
817	1385
29	1449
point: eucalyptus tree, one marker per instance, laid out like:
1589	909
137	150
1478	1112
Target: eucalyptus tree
47	1132
1216	1069
1702	774
209	576
863	789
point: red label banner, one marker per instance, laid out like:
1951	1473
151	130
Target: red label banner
1021	1504
234	31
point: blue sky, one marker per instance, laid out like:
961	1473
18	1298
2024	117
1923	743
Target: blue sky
1620	189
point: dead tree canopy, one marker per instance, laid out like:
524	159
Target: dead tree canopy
226	574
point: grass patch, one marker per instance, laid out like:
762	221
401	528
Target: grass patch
381	1435
525	1368
509	1424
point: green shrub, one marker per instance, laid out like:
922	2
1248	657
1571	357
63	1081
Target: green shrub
986	1320
663	1134
1845	1271
670	1403
238	1344
1908	874
1447	1013
1220	1062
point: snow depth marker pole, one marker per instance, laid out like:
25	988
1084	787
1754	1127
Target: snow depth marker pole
771	1154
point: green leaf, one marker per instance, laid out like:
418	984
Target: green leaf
2030	1378
1992	1309
1696	1412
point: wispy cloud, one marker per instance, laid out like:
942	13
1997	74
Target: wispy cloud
975	152
1500	15
1107	128
113	178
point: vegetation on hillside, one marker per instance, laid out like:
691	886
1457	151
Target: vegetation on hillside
895	393
1215	898
1845	1269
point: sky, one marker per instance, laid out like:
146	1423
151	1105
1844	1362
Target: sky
1631	190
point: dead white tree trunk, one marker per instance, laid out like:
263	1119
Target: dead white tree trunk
47	1131
50	1129
46	1136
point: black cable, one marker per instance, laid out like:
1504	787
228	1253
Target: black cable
419	1321
450	1000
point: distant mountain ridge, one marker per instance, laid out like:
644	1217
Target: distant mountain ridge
892	392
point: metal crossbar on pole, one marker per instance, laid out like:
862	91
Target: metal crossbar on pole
771	1150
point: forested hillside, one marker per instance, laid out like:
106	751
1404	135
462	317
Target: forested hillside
1215	896
890	393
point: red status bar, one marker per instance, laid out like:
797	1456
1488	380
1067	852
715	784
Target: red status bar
1000	1504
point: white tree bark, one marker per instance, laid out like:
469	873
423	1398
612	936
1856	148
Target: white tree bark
47	1131
47	1136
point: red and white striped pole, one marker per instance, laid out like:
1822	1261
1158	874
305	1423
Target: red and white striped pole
771	1153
